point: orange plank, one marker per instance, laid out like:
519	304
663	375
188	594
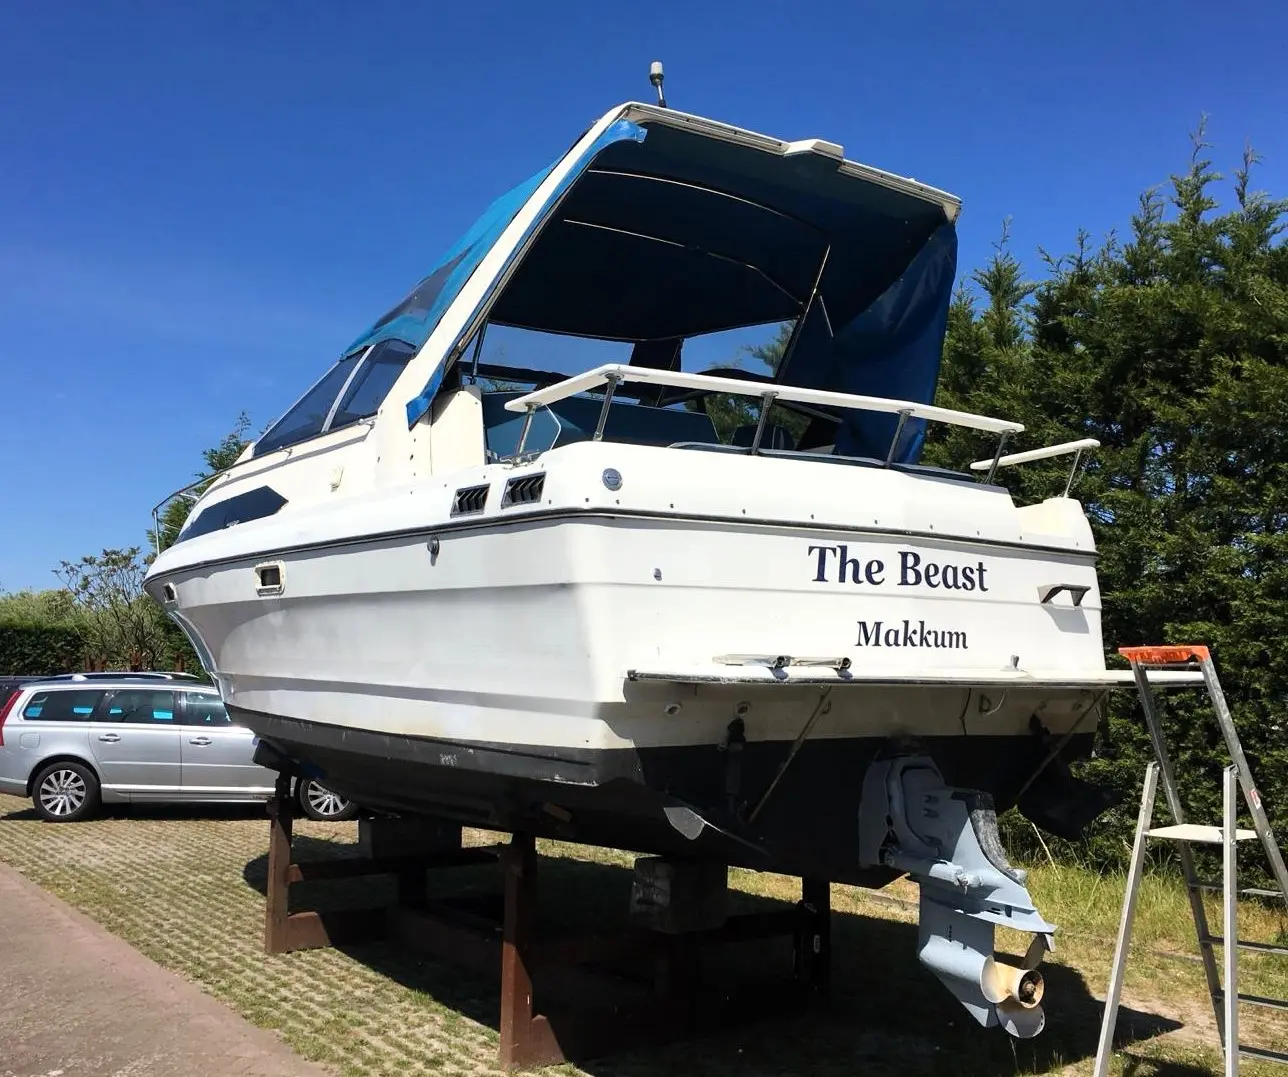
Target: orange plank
1165	656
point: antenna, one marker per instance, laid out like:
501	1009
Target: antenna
655	76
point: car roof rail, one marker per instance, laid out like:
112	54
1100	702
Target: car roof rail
120	675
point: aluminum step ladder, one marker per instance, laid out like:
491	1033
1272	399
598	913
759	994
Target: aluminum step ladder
1225	999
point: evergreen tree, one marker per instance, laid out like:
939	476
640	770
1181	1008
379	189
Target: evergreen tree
1171	348
217	458
174	515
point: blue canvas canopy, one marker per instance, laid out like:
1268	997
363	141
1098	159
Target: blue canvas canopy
416	317
660	233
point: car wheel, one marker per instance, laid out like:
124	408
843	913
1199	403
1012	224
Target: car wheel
319	802
65	792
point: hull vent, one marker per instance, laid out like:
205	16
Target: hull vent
469	499
525	490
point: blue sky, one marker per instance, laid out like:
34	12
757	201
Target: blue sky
202	204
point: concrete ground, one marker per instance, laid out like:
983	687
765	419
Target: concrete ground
79	1002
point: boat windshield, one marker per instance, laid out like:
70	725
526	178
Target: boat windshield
507	361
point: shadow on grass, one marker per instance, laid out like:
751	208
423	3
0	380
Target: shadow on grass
884	1012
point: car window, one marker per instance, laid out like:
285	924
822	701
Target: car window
140	705
58	706
205	709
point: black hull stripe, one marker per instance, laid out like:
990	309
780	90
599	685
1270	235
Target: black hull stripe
548	516
617	797
561	763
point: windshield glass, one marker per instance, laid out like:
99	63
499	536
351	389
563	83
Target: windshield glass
512	361
756	349
306	419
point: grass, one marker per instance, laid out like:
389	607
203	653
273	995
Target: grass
186	889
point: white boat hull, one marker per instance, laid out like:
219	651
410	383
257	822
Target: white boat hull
417	669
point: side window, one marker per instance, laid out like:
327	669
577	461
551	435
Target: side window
138	705
77	706
308	416
205	709
421	299
372	382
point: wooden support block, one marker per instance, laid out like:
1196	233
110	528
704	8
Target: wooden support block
541	1047
583	1033
348	867
677	971
457	943
813	951
678	896
340	927
303	931
595	946
744	927
403	836
483	911
526	1038
413	887
277	906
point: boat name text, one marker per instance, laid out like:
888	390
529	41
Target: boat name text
909	634
835	563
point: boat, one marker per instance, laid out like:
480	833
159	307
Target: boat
687	601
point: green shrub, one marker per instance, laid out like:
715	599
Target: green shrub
30	647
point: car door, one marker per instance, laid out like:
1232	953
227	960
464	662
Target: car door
135	740
217	755
53	721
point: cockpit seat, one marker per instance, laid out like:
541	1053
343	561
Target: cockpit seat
575	419
774	437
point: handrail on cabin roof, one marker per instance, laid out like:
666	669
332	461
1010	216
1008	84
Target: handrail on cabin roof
611	374
1063	449
615	373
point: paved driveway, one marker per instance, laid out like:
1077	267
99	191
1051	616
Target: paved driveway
79	1001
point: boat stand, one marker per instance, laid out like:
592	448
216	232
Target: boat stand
563	997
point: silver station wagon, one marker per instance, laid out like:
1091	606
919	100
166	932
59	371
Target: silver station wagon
73	742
